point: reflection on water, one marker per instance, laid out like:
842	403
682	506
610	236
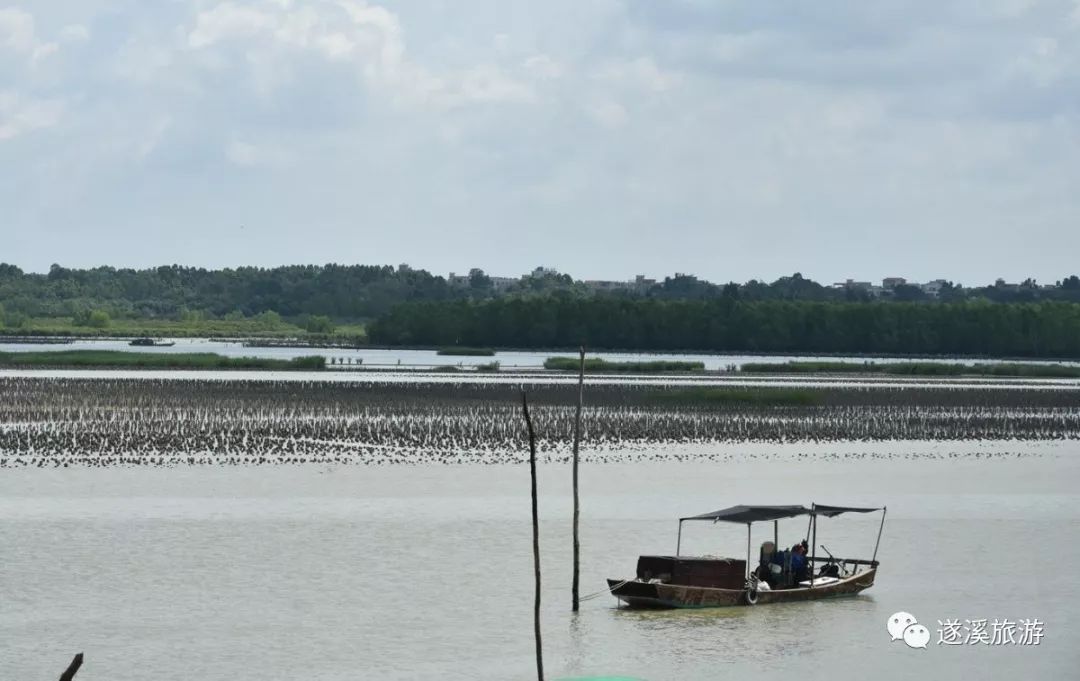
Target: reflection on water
425	572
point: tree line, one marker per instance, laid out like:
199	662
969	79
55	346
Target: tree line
1045	329
340	293
187	293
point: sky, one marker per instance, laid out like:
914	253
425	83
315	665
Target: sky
604	138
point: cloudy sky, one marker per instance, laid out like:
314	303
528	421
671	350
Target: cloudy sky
733	140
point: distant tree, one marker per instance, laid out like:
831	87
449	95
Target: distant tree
478	281
855	294
235	316
9	271
685	287
970	327
319	324
906	293
3	316
1071	283
731	291
56	272
99	319
951	292
797	287
268	319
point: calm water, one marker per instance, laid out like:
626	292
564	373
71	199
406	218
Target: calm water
427	359
425	572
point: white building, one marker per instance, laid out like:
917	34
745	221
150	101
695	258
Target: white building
933	288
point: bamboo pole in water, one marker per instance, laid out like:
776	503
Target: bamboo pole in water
576	603
69	673
535	537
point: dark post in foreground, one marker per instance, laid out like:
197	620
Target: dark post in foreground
69	673
535	538
577	509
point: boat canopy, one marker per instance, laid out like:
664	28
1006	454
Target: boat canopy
751	514
833	511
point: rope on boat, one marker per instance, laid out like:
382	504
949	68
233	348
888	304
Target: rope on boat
605	591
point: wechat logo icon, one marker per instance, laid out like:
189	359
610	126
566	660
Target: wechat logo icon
903	626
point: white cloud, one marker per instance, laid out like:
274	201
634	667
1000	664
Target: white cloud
607	113
1041	62
488	83
639	72
74	33
250	155
543	67
18	34
228	21
17	30
20	115
154	136
368	36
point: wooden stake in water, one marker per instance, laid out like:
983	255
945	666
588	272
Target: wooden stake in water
72	669
535	537
577	509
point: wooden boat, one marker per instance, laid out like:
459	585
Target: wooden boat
150	343
705	582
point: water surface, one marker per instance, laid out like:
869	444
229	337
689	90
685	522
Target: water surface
408	572
428	359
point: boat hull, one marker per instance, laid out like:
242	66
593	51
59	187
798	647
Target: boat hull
636	594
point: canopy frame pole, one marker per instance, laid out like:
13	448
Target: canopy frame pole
776	535
748	551
884	510
678	540
813	542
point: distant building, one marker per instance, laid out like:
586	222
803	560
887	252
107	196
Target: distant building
890	283
851	283
638	284
598	285
933	288
864	286
499	284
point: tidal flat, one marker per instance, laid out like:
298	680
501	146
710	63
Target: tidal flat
121	420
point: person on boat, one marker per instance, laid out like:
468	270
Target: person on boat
799	562
765	572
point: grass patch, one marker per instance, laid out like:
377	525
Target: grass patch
354	334
466	352
598	365
447	369
917	369
757	397
154	360
490	366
